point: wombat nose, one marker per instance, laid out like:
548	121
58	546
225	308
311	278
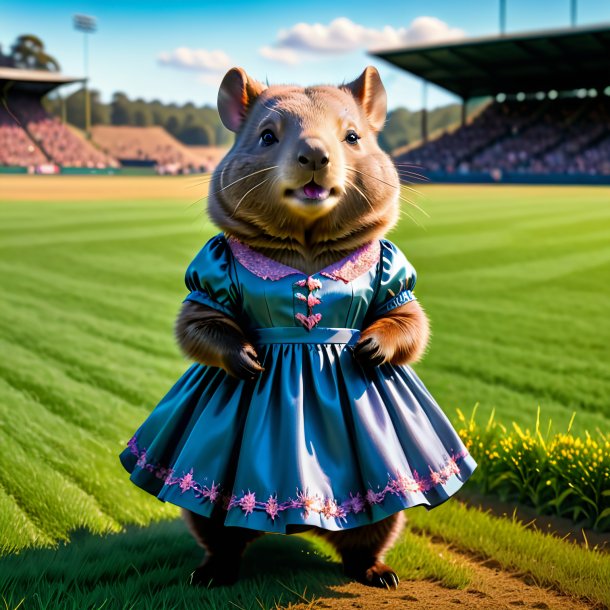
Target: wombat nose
312	154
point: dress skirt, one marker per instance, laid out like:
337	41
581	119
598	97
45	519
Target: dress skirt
317	439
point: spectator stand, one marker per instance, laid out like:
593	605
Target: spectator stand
550	114
34	139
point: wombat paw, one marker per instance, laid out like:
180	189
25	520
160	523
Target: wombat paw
215	573
378	575
368	351
244	363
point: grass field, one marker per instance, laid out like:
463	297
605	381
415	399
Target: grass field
514	279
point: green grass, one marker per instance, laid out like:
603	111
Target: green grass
149	568
515	280
546	559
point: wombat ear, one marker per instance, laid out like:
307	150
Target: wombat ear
236	94
369	92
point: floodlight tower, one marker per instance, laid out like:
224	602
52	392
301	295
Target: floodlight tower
502	17
87	25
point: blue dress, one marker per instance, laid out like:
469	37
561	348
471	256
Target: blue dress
317	438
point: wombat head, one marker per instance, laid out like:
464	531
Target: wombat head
305	165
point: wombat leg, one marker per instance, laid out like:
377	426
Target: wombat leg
224	549
362	550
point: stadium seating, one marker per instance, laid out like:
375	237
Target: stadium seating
61	144
568	135
16	147
149	144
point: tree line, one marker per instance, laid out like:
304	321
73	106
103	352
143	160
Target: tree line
201	126
188	123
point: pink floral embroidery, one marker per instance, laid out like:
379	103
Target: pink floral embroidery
355	504
400	484
311	319
212	494
248	502
373	498
311	283
142	460
186	482
311	300
271	507
308	321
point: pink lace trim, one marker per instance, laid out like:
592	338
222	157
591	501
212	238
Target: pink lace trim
355	264
346	270
329	507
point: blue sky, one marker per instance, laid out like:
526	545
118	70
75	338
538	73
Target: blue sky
179	51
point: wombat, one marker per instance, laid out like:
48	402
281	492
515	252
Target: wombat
300	411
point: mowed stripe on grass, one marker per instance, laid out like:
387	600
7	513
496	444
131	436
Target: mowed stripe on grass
512	278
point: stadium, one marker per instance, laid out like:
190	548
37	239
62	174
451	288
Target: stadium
547	118
36	142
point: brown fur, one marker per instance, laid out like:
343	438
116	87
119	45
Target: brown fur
211	338
250	199
399	337
224	548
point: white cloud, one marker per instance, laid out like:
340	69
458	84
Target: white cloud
342	35
282	54
199	60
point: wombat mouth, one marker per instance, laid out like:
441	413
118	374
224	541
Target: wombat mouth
312	192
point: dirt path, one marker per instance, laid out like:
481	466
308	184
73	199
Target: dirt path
88	188
492	589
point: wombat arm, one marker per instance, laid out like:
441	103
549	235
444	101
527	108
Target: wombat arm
213	339
399	337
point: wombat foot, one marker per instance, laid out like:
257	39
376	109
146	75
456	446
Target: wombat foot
215	572
377	575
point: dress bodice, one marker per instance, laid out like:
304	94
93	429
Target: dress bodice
258	292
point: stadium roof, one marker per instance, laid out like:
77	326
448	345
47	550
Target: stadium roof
562	60
35	81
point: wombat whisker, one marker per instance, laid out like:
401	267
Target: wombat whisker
265	169
393	186
414	205
246	193
415	221
365	197
410	173
410	165
376	178
406	172
204	181
369	175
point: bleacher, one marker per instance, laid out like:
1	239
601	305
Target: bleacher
62	145
152	144
567	135
550	112
16	148
33	139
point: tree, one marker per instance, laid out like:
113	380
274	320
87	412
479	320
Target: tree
120	112
172	124
28	52
199	135
396	129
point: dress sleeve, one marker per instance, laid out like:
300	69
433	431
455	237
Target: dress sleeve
396	280
211	278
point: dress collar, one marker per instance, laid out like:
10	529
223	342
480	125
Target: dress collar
346	270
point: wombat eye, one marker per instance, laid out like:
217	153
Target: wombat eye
352	137
268	137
